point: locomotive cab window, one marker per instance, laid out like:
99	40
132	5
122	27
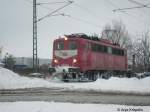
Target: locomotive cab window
59	46
72	45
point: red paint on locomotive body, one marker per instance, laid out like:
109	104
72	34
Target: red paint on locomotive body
82	53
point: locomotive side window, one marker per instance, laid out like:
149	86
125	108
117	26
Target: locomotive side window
95	47
122	52
59	46
109	50
99	48
118	52
72	45
105	49
115	51
89	46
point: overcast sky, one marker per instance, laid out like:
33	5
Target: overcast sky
88	16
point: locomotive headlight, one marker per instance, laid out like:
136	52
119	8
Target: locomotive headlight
74	60
55	61
66	38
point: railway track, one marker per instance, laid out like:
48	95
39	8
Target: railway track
62	95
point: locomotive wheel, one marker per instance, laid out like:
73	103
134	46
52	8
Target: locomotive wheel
65	78
91	75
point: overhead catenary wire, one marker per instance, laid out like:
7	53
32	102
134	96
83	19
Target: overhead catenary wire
129	8
53	10
48	15
71	17
138	3
47	3
74	18
45	7
81	20
114	5
87	10
135	7
29	1
125	12
50	3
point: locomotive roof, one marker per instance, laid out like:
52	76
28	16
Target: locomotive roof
93	39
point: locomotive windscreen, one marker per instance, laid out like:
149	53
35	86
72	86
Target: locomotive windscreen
72	45
59	46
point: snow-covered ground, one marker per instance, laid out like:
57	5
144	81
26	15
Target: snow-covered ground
11	80
67	107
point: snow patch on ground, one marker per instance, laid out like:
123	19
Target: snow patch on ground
11	80
67	107
126	85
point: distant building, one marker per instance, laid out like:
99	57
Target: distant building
27	62
1	64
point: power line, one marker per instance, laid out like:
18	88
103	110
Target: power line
85	9
51	3
81	20
129	8
110	2
45	7
71	17
75	18
46	3
140	4
29	1
114	5
48	15
58	14
124	11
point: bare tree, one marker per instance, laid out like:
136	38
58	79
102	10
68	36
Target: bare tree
117	33
9	61
145	49
141	50
136	55
1	49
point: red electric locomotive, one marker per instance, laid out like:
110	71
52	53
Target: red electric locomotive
80	57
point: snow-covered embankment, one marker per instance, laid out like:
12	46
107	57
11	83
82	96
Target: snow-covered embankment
11	80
